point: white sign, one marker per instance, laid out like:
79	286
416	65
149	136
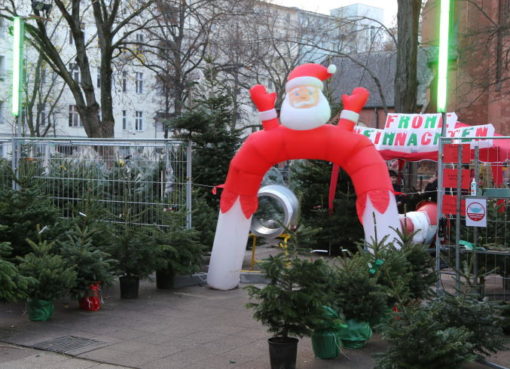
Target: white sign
410	133
476	212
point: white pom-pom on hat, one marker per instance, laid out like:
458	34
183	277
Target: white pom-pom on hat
332	68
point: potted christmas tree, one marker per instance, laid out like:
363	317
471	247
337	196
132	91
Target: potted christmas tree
358	296
94	267
291	304
180	253
136	254
53	277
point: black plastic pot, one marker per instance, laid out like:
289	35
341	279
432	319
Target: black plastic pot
283	352
129	287
165	279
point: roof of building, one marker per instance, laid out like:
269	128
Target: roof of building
362	70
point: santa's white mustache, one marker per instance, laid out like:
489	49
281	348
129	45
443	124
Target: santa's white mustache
301	103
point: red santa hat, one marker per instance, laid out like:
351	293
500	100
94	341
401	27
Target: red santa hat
309	74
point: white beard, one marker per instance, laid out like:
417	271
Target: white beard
305	118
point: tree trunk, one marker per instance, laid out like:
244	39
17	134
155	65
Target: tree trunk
407	53
107	119
406	81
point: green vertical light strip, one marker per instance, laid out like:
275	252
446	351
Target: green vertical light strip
17	64
442	72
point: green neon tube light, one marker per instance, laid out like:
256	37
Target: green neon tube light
17	64
442	70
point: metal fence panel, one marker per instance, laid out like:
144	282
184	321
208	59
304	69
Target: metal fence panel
134	181
476	257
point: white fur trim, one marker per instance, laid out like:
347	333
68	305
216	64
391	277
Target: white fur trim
332	69
303	81
267	115
349	115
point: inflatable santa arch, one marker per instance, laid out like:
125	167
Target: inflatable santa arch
300	133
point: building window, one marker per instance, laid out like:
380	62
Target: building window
139	121
124	81
75	71
124	119
98	78
139	82
2	112
74	117
139	43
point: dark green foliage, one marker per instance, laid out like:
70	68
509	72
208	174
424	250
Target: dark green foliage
291	304
406	273
480	318
21	211
503	309
204	219
91	264
14	286
356	293
421	268
54	277
342	230
215	142
179	250
134	249
418	341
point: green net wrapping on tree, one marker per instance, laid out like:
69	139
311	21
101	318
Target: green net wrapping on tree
355	334
40	310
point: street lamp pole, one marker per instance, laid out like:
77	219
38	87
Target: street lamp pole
442	90
17	70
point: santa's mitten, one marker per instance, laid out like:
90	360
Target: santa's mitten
353	104
264	102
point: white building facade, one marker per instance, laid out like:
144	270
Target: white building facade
137	100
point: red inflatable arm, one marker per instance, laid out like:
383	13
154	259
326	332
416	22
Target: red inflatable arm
353	104
264	102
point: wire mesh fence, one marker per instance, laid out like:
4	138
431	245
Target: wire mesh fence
474	199
134	181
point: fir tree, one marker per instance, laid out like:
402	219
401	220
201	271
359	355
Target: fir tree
92	265
14	285
21	211
339	231
54	277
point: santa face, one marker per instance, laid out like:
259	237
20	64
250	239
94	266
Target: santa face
305	107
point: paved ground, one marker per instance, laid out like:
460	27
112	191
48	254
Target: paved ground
192	328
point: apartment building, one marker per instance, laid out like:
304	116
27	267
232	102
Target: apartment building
274	39
6	119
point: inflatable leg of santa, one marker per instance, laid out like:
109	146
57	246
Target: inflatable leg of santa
228	249
423	221
378	225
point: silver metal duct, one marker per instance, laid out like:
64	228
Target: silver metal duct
288	202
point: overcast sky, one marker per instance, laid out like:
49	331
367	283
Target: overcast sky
323	6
